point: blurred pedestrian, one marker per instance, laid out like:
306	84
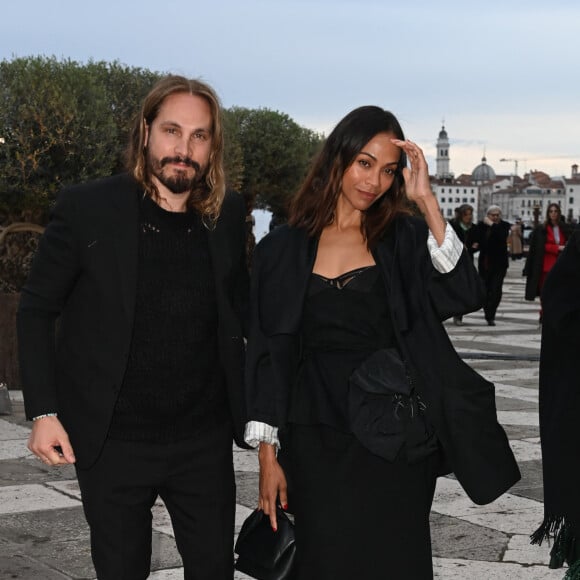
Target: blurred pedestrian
492	236
546	242
516	240
465	229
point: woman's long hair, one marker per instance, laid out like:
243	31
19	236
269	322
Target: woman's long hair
313	207
208	200
548	221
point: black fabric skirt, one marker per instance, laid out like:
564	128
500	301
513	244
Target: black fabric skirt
357	515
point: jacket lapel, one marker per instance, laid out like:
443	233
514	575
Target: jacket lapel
220	254
284	283
388	256
221	261
126	203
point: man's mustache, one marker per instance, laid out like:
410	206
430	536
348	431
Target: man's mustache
185	160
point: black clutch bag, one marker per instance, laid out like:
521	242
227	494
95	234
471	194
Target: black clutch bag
263	553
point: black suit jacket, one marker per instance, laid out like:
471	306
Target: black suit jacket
460	403
493	251
85	275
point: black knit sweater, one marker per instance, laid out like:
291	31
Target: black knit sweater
172	384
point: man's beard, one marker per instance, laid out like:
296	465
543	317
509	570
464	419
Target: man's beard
177	182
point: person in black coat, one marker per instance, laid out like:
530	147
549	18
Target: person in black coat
492	238
560	409
351	376
465	229
141	385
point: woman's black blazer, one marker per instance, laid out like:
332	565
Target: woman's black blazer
460	403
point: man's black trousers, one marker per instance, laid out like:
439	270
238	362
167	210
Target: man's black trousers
193	477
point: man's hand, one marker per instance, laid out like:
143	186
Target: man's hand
50	443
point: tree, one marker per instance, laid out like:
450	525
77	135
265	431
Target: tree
233	154
56	128
276	155
62	122
125	89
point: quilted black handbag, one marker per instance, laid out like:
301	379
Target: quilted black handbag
263	553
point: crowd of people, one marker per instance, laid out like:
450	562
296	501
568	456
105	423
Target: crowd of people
494	240
145	349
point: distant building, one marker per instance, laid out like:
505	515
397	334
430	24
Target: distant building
518	197
443	172
451	192
535	191
571	208
483	173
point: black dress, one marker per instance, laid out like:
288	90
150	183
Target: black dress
357	514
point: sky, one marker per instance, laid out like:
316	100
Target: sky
502	75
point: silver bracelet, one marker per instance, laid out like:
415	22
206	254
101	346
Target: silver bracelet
43	416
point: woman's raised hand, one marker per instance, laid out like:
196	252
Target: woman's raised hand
416	176
418	188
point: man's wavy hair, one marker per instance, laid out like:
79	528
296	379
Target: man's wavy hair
313	207
208	198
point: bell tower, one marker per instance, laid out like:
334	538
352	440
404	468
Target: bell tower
443	154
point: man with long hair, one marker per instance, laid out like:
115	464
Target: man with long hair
140	387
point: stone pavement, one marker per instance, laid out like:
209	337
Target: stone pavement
43	535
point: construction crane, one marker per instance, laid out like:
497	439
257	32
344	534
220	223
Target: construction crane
515	162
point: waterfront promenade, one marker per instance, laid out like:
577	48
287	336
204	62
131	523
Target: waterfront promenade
43	535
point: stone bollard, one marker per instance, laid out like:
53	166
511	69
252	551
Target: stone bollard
5	404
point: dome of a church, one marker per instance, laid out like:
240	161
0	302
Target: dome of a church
483	172
443	133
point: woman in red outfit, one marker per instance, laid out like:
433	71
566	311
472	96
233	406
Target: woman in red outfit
546	243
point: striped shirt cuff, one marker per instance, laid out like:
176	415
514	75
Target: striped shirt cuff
258	432
445	256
